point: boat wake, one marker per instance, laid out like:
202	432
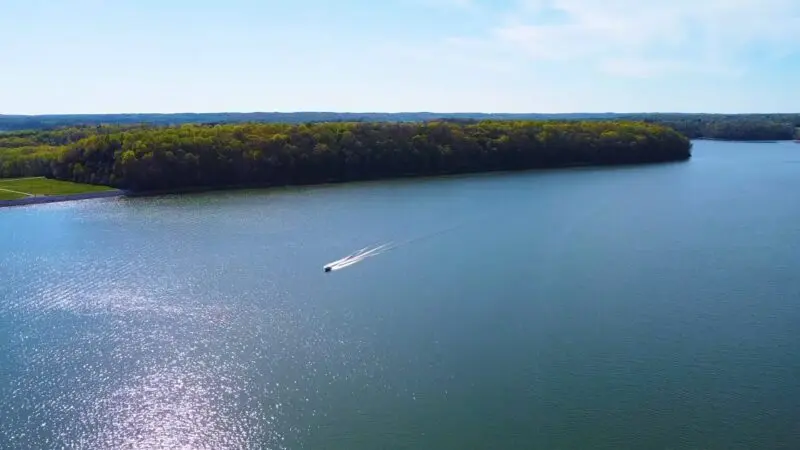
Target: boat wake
367	252
357	257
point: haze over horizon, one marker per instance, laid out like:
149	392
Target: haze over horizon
445	56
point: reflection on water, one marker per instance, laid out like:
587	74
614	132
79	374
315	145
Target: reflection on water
123	368
153	348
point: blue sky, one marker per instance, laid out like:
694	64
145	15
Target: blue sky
104	56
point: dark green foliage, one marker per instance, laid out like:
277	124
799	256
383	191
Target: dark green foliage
27	161
31	153
279	154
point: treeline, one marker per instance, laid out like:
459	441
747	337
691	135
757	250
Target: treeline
28	161
31	153
745	127
716	126
165	158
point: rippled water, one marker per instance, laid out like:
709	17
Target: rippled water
643	307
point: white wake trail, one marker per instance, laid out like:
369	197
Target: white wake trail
347	258
356	257
367	252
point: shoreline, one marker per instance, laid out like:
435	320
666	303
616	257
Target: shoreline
405	177
755	141
38	200
229	188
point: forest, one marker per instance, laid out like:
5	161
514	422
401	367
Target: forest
745	127
147	158
694	126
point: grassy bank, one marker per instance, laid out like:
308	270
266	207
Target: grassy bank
20	188
8	195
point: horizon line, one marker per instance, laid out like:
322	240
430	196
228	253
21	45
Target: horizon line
2	115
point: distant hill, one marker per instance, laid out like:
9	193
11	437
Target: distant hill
38	122
715	126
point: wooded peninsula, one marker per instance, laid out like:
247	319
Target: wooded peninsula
158	158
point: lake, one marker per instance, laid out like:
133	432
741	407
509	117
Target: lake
648	307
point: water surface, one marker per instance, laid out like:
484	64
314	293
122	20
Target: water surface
651	307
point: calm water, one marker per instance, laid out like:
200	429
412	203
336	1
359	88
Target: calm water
641	308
